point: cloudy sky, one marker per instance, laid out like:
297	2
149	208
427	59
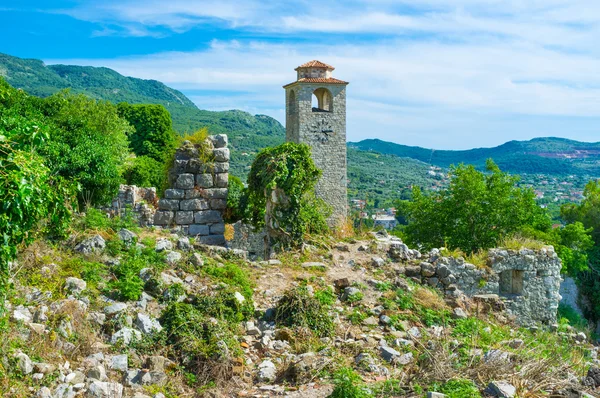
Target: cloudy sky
435	73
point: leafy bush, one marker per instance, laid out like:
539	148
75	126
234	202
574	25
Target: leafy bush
226	306
232	274
573	318
205	345
298	308
475	212
237	201
348	384
145	171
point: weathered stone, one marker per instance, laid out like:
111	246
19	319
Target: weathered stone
221	180
459	313
208	216
432	394
97	372
75	285
389	354
221	154
104	389
184	217
377	261
163	217
217	229
218	140
427	269
197	260
174	193
115	308
173	257
218	204
193	193
146	324
163	244
216	193
75	377
496	356
24	363
90	245
350	291
126	335
21	313
204	180
194	204
266	371
213	240
119	362
44	392
501	389
185	181
168	204
221	167
183	243
198	229
44	368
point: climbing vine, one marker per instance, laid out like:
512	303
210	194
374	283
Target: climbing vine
280	194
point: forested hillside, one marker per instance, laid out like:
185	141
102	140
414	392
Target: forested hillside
554	156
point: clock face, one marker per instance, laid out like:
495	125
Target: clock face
322	130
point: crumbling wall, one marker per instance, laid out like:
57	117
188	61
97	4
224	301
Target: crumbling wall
527	281
141	202
198	190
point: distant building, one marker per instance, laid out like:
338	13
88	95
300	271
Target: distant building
386	221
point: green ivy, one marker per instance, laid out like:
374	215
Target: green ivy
286	168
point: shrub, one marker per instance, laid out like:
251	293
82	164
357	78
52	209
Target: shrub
237	201
348	384
475	212
205	345
572	317
459	388
298	308
145	171
226	306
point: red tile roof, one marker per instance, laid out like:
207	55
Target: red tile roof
329	80
315	64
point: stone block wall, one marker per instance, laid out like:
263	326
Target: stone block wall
198	190
528	281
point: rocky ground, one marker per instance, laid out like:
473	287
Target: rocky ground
117	312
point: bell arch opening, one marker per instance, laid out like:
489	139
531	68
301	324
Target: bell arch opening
322	100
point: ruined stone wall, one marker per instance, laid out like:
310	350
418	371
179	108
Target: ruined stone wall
198	191
141	202
528	281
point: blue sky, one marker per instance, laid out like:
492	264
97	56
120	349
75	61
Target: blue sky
435	73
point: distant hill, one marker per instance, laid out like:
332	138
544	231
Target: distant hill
247	133
552	156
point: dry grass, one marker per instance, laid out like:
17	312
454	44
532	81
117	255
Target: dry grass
344	228
517	242
429	299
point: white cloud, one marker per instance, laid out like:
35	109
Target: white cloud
494	69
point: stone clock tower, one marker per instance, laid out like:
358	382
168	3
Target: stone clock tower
316	115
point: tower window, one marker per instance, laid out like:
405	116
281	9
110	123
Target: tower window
322	100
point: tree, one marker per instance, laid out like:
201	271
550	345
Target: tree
280	194
153	135
31	197
87	144
475	212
